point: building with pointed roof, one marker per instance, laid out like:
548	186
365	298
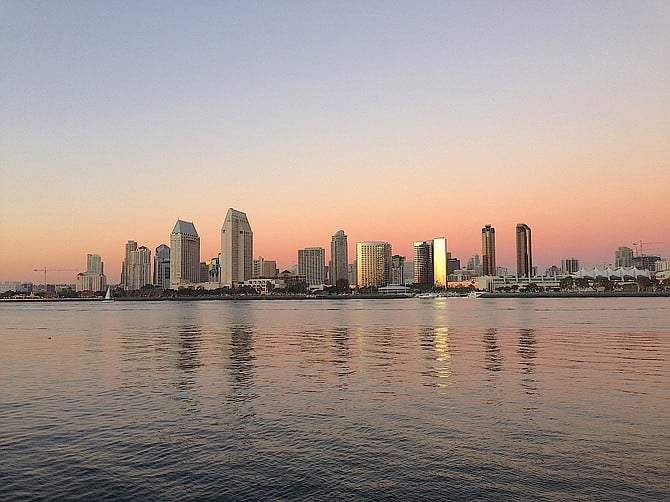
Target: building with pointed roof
237	248
184	255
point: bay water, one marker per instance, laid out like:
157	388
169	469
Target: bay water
354	399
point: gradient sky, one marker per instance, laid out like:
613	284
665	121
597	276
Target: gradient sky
396	121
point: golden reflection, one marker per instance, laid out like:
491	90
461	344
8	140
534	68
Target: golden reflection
441	344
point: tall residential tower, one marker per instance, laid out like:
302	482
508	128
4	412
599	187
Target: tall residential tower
237	248
488	250
524	254
184	255
339	257
373	260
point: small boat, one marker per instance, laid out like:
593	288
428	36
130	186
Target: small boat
427	295
108	296
475	294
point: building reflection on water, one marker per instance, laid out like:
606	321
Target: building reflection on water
241	367
435	346
493	358
528	353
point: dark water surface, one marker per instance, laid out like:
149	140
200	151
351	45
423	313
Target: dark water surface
347	399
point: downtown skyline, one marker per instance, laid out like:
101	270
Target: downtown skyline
393	122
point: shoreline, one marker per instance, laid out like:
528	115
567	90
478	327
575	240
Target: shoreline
484	295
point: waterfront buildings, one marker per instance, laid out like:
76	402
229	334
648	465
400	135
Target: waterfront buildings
162	267
569	265
237	248
423	263
440	262
373	260
474	265
431	263
488	250
339	257
184	255
93	279
398	270
623	257
265	268
136	269
311	264
524	254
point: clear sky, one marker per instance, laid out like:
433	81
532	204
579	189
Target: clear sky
396	121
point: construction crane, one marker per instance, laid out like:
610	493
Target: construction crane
46	269
639	246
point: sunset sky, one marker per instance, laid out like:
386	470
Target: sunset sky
395	121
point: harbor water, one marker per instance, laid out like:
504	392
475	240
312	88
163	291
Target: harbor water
446	398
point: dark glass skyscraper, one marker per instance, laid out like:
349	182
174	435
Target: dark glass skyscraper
524	254
488	250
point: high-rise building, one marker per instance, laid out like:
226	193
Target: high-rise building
569	265
474	264
440	262
453	264
184	255
94	264
524	254
339	257
312	264
431	263
623	257
237	248
423	263
162	267
125	270
266	269
488	250
353	273
93	279
398	270
136	269
373	263
140	268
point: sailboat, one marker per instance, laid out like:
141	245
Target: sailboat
108	295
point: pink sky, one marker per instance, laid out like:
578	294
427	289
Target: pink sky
393	123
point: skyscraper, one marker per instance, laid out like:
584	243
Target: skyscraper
136	270
524	254
311	264
398	270
373	260
184	255
569	265
125	270
623	257
93	279
162	267
237	248
488	250
93	264
265	268
440	263
475	264
423	263
339	257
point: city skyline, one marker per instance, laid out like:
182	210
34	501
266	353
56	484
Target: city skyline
394	121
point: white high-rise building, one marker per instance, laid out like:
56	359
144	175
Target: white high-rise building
373	260
311	264
184	255
237	248
93	279
136	270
